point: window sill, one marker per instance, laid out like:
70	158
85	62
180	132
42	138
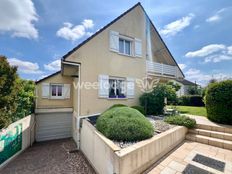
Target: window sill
117	98
127	55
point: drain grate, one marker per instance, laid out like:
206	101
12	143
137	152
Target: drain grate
210	162
191	169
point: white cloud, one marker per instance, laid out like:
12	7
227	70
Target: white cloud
182	66
53	66
177	26
206	50
203	78
71	32
216	17
25	66
212	53
88	23
17	17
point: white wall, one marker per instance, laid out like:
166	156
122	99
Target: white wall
28	135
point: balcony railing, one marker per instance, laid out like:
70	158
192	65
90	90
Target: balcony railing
162	69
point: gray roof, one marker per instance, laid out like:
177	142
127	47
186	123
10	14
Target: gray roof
186	82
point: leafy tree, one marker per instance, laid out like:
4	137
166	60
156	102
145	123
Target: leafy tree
153	102
8	91
174	85
25	100
194	90
16	95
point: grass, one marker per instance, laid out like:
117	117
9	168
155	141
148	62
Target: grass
193	110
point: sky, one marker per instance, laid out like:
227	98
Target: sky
34	35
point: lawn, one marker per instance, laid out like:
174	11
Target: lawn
201	111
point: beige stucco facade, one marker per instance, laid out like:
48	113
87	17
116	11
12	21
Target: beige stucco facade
95	58
47	103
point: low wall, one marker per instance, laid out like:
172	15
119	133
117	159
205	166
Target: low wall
16	138
107	158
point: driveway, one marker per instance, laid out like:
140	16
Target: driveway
51	157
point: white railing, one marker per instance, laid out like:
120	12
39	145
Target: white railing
161	69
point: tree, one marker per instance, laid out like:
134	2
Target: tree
25	99
8	91
194	90
153	102
176	86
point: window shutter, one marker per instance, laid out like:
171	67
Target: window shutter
103	81
66	91
138	47
130	88
114	41
45	90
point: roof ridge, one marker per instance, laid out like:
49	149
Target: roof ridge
100	30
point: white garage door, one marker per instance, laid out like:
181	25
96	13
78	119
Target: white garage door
50	126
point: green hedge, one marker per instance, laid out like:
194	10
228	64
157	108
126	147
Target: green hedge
191	100
181	120
140	109
124	124
218	101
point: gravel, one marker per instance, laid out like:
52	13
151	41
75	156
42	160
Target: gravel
159	125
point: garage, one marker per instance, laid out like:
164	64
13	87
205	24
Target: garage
50	126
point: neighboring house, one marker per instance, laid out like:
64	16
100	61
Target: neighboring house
184	84
127	49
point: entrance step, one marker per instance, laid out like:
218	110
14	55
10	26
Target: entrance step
210	133
215	127
226	144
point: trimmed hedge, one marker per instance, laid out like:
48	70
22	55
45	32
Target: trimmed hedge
218	101
124	124
191	100
181	120
140	109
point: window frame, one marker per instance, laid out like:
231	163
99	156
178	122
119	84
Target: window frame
57	87
124	39
116	79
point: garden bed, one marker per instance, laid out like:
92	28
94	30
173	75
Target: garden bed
159	127
107	157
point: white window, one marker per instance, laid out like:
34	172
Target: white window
56	91
125	46
117	88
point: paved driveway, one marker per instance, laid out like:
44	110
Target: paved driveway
50	157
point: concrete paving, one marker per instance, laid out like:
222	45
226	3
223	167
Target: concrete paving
49	157
178	159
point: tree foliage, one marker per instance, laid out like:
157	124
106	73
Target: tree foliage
16	95
153	102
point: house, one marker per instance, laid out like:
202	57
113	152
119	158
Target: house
184	86
109	67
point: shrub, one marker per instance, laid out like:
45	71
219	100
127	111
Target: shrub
191	100
153	102
140	109
118	105
181	121
219	102
124	124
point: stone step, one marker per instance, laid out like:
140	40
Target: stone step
210	133
215	127
210	141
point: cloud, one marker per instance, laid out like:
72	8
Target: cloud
202	78
212	53
88	23
71	32
53	66
17	17
206	50
25	66
177	26
217	16
182	66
